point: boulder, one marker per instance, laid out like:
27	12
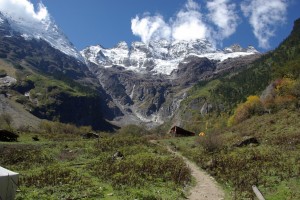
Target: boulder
247	140
118	156
35	138
90	135
8	136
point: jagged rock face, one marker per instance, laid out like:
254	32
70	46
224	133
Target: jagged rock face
159	57
148	82
140	97
193	69
154	98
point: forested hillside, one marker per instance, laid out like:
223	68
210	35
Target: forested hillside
213	102
251	127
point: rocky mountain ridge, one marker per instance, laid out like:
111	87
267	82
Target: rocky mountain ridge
137	84
159	57
48	83
148	82
45	29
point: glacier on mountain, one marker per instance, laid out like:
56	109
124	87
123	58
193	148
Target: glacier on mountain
45	29
159	57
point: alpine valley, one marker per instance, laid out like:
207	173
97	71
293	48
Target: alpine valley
136	84
95	123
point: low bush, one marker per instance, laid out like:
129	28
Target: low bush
87	169
20	156
114	143
246	167
135	170
60	131
211	142
133	130
142	162
52	175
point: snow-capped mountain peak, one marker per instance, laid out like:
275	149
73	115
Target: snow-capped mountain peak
251	49
160	57
238	48
122	45
45	29
234	48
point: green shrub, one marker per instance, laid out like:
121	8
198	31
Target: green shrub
114	143
133	130
22	156
211	142
52	128
53	175
135	170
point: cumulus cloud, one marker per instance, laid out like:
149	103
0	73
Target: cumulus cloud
187	25
150	28
23	9
223	14
265	17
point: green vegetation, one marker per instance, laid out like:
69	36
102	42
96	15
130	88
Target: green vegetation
54	95
5	121
62	165
280	68
252	106
261	102
133	130
283	62
272	165
51	85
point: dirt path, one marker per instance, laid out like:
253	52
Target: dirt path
206	187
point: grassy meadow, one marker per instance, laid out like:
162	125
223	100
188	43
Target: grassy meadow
273	165
62	165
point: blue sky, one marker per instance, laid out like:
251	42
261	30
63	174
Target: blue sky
107	22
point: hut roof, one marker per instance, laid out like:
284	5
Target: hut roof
179	132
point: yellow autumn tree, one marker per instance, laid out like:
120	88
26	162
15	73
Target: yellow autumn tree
245	110
284	93
284	86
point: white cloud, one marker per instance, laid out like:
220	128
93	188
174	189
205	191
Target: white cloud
23	9
150	28
223	14
187	25
191	5
265	17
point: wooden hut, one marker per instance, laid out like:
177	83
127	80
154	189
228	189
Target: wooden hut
180	132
